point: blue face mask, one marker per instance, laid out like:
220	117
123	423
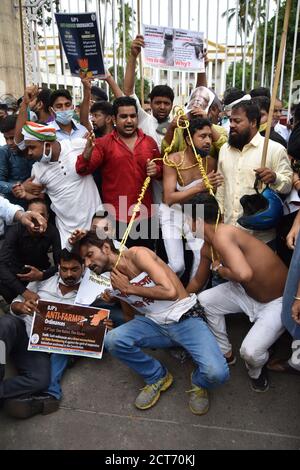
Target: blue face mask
64	117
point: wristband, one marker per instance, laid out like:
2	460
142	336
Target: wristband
296	298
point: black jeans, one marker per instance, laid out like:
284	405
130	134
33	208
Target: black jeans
33	367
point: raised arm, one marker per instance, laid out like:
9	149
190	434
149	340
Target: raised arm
135	50
85	105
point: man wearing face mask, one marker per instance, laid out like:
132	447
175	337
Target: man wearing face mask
62	108
179	187
74	199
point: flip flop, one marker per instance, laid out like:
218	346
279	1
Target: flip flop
280	365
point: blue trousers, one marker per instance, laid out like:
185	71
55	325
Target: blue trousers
289	292
126	343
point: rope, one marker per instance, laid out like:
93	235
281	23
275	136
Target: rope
182	123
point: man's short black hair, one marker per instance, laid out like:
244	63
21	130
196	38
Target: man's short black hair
92	239
8	124
195	125
210	204
58	93
123	101
251	109
99	93
3	107
162	90
39	200
260	91
66	255
104	106
232	94
44	96
263	102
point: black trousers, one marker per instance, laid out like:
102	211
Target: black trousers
33	367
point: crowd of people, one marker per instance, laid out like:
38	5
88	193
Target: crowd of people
70	178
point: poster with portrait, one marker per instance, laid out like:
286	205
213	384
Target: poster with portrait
173	48
200	97
68	329
81	42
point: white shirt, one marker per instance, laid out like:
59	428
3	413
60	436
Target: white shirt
283	131
46	290
237	169
2	140
74	199
7	213
78	131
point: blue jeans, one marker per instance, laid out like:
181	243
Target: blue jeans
289	292
59	363
193	334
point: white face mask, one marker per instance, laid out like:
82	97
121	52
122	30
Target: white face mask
46	158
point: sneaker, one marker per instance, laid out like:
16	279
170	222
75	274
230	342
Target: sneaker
261	384
231	360
199	401
151	393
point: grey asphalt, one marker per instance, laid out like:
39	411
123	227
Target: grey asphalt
97	411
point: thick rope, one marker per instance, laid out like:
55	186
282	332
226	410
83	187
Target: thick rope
182	123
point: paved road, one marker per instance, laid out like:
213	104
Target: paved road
97	411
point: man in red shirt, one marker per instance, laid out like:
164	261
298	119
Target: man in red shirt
124	157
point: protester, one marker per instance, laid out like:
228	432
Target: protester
125	151
166	317
253	287
74	200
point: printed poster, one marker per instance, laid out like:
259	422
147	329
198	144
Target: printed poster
68	329
173	48
81	42
91	287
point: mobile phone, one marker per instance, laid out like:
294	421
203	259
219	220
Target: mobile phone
25	270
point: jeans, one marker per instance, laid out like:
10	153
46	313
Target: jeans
289	292
33	367
193	334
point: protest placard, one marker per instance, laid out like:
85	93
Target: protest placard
81	42
91	287
174	48
68	329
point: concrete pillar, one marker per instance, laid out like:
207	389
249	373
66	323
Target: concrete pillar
11	65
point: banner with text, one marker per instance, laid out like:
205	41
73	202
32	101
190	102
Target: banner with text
68	329
173	48
81	42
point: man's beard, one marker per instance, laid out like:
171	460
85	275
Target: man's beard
99	131
239	140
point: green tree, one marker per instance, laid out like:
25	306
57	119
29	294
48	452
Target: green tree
147	84
239	76
289	48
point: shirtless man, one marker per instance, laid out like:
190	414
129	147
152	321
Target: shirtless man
180	186
256	278
166	316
